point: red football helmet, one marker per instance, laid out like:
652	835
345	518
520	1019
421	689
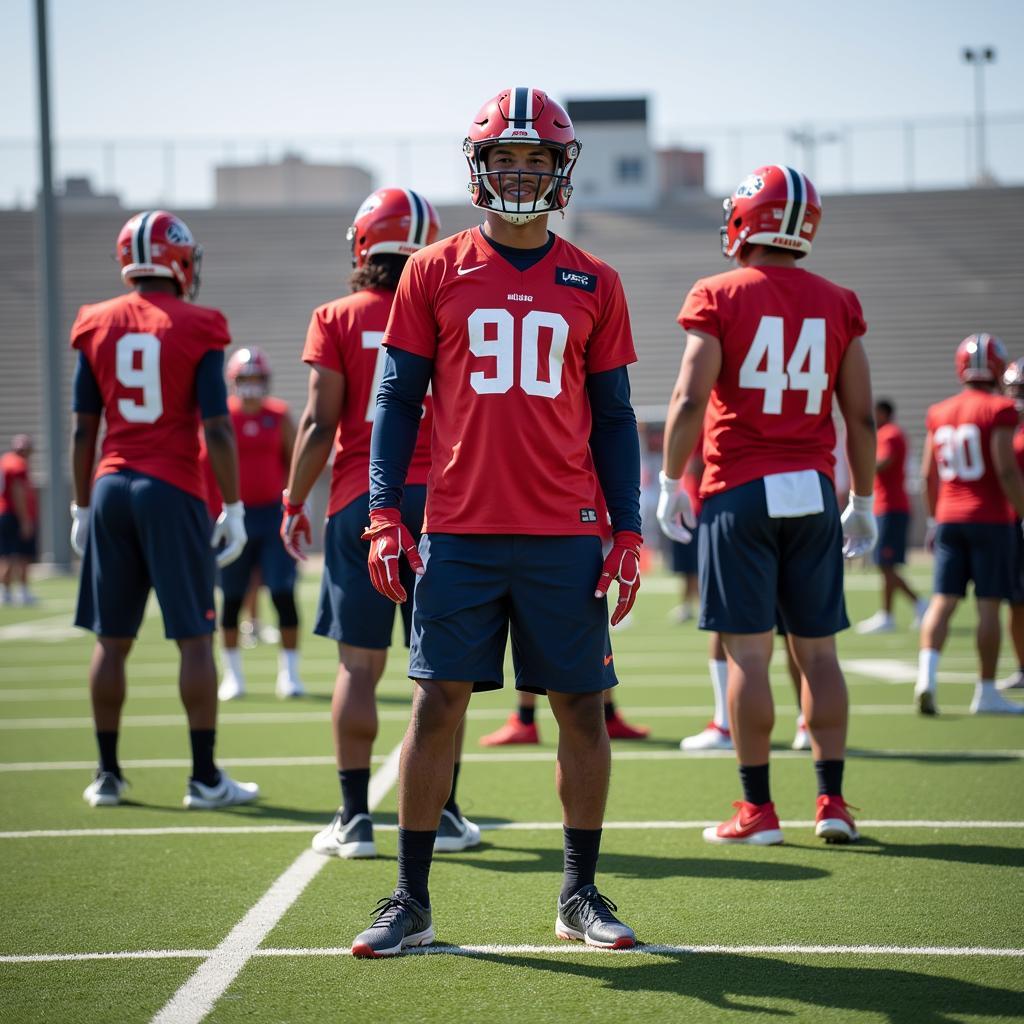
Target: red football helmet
774	206
980	358
155	243
394	220
249	373
521	116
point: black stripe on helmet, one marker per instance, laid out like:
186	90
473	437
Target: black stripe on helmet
139	239
520	96
792	226
419	218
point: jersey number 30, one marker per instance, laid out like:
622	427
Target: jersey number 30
138	367
958	453
805	370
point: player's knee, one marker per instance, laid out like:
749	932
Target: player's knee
230	613
287	612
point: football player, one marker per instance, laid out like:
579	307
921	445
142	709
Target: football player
265	436
345	357
768	344
974	488
1013	386
150	365
19	514
524	339
892	513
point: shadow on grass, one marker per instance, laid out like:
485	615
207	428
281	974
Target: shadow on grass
962	853
930	756
758	985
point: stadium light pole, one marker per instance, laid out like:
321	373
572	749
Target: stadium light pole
979	58
57	536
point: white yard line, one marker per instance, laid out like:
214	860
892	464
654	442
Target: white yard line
197	997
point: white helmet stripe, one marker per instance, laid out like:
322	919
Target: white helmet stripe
793	226
788	211
147	239
138	250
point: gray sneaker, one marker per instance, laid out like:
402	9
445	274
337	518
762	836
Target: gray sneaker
400	922
588	917
351	840
1014	682
455	834
226	793
105	790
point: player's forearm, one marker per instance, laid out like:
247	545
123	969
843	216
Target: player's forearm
223	454
312	449
615	447
682	427
860	452
1012	482
19	502
83	456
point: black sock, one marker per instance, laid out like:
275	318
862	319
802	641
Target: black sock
451	805
609	710
754	779
415	852
355	787
107	742
830	777
581	847
527	715
203	768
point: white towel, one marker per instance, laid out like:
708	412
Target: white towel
791	495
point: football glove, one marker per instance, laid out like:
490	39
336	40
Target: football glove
860	531
673	505
389	540
294	527
229	530
931	528
79	528
622	564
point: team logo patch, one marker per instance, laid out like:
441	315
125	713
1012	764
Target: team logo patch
588	515
576	279
750	186
178	234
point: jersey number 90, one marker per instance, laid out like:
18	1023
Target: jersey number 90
492	334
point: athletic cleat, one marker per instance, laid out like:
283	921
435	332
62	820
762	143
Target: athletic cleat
711	737
350	841
802	739
880	622
227	793
400	921
992	703
1014	682
105	790
620	729
755	824
231	687
588	917
455	834
289	686
833	821
924	701
513	731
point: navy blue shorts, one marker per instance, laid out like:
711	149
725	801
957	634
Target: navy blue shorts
891	548
146	533
351	611
478	588
684	557
982	552
757	572
11	541
265	549
1017	580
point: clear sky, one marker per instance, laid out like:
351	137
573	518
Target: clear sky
395	84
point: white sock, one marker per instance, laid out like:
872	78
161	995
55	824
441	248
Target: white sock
927	668
233	656
288	661
984	688
719	682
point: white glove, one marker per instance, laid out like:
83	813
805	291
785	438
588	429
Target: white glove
79	528
673	505
229	530
860	531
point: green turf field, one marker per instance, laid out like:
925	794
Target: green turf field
149	911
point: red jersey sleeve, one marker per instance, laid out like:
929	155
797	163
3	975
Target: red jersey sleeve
611	342
411	325
700	311
320	348
1005	415
858	325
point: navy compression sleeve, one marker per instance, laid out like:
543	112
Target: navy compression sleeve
396	423
615	446
211	391
85	391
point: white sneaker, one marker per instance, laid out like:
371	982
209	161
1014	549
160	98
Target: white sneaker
231	686
711	737
991	703
349	841
227	793
802	739
105	790
1014	682
920	607
289	686
682	613
880	622
455	834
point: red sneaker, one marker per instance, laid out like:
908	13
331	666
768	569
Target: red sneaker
756	824
513	731
620	729
833	822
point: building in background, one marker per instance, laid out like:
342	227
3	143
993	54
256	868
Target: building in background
78	196
680	175
291	183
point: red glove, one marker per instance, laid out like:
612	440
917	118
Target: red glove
389	540
622	564
294	526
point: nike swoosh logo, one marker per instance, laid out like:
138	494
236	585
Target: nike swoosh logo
608	659
462	271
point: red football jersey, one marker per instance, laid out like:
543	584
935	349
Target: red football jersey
13	468
345	336
1018	446
960	429
511	352
143	351
783	332
890	487
262	461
